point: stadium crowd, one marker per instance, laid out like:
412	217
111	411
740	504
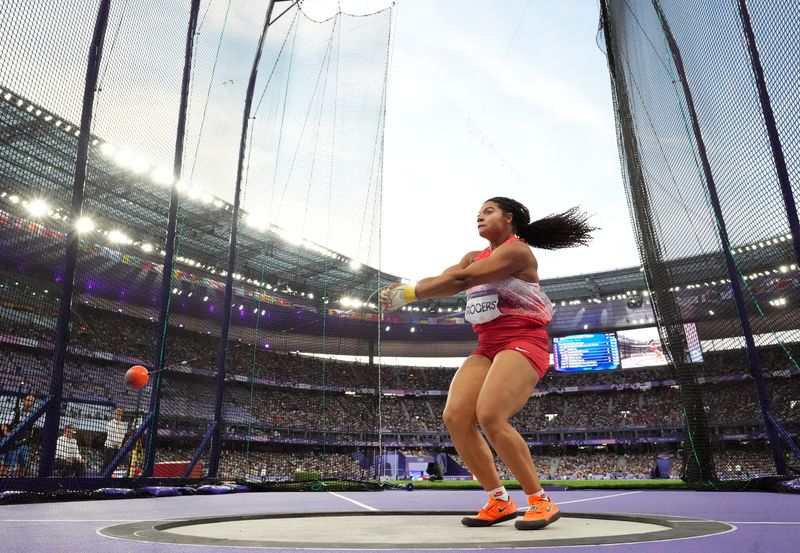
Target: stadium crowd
291	408
274	395
98	330
588	465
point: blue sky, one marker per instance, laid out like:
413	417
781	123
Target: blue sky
506	98
514	101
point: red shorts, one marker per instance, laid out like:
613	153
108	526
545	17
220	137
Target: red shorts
532	343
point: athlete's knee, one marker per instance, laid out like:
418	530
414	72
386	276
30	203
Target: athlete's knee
490	418
458	418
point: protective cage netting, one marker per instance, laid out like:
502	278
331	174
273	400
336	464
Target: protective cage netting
705	99
309	207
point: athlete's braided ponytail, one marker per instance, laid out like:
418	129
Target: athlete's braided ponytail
556	231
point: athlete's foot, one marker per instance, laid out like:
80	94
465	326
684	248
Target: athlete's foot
494	512
542	512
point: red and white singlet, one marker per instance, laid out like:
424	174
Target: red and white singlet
506	297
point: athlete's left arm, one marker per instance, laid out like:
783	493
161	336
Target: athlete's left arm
507	260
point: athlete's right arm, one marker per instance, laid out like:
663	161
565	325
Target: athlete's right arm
463	264
395	296
508	259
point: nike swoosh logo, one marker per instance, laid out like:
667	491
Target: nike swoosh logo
503	509
522	350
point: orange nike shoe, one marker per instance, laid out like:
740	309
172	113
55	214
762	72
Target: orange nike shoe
541	513
494	512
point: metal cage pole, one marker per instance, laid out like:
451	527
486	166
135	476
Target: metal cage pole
733	275
169	247
53	413
222	356
700	469
772	129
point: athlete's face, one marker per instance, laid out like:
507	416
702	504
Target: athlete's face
493	221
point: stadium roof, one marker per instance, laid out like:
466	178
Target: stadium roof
127	202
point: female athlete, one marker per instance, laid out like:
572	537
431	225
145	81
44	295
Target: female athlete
509	312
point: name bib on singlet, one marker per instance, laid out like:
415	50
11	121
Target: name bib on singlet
482	307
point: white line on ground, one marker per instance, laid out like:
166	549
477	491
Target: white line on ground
594	498
367	507
70	520
757	522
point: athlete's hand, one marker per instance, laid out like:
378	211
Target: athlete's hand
395	296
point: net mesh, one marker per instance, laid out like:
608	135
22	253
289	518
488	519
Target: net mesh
309	199
258	406
702	177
